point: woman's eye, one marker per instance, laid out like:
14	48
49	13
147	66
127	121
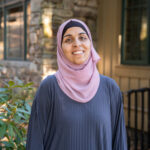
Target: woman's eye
68	40
82	38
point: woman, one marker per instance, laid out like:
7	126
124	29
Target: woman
77	109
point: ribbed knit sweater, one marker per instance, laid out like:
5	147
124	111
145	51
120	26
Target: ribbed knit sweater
59	123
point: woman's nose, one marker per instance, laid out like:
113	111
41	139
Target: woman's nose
76	43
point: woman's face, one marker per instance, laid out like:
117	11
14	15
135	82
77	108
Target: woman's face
76	45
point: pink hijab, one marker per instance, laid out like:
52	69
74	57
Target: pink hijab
79	82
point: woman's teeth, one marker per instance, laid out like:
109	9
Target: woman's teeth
78	52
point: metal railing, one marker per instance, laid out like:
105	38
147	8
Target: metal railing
138	118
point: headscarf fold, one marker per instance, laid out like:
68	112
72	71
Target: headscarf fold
79	82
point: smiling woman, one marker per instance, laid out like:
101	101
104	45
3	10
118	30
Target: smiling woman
77	108
77	60
76	45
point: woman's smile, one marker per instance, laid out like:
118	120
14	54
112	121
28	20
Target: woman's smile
78	52
76	45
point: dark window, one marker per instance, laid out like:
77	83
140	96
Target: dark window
14	20
135	32
1	35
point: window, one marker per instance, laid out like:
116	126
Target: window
14	24
136	32
1	34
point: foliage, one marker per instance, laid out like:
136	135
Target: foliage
15	99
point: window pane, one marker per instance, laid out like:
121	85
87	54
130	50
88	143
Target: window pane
136	31
28	31
6	1
15	33
1	35
131	3
1	2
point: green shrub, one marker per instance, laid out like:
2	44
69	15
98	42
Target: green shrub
15	110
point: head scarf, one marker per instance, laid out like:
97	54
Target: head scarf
79	82
72	24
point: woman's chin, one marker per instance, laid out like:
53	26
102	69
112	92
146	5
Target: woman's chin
79	61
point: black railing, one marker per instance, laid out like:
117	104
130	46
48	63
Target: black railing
138	118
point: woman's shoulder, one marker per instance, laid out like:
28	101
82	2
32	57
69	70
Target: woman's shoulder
111	87
48	81
46	87
109	83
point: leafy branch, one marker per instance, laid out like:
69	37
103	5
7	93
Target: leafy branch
15	108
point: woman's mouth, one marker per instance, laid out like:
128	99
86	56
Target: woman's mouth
77	52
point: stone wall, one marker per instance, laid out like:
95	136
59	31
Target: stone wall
58	11
46	17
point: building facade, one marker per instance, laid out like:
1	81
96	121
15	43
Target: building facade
28	34
28	37
124	46
120	30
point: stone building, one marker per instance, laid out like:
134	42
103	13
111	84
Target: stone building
120	30
28	34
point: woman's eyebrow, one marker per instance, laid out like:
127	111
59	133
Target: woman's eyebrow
67	35
71	35
82	33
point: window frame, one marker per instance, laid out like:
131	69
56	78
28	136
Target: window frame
123	27
6	7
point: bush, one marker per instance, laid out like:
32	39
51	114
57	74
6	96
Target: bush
15	110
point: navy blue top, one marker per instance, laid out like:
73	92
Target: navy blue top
59	123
